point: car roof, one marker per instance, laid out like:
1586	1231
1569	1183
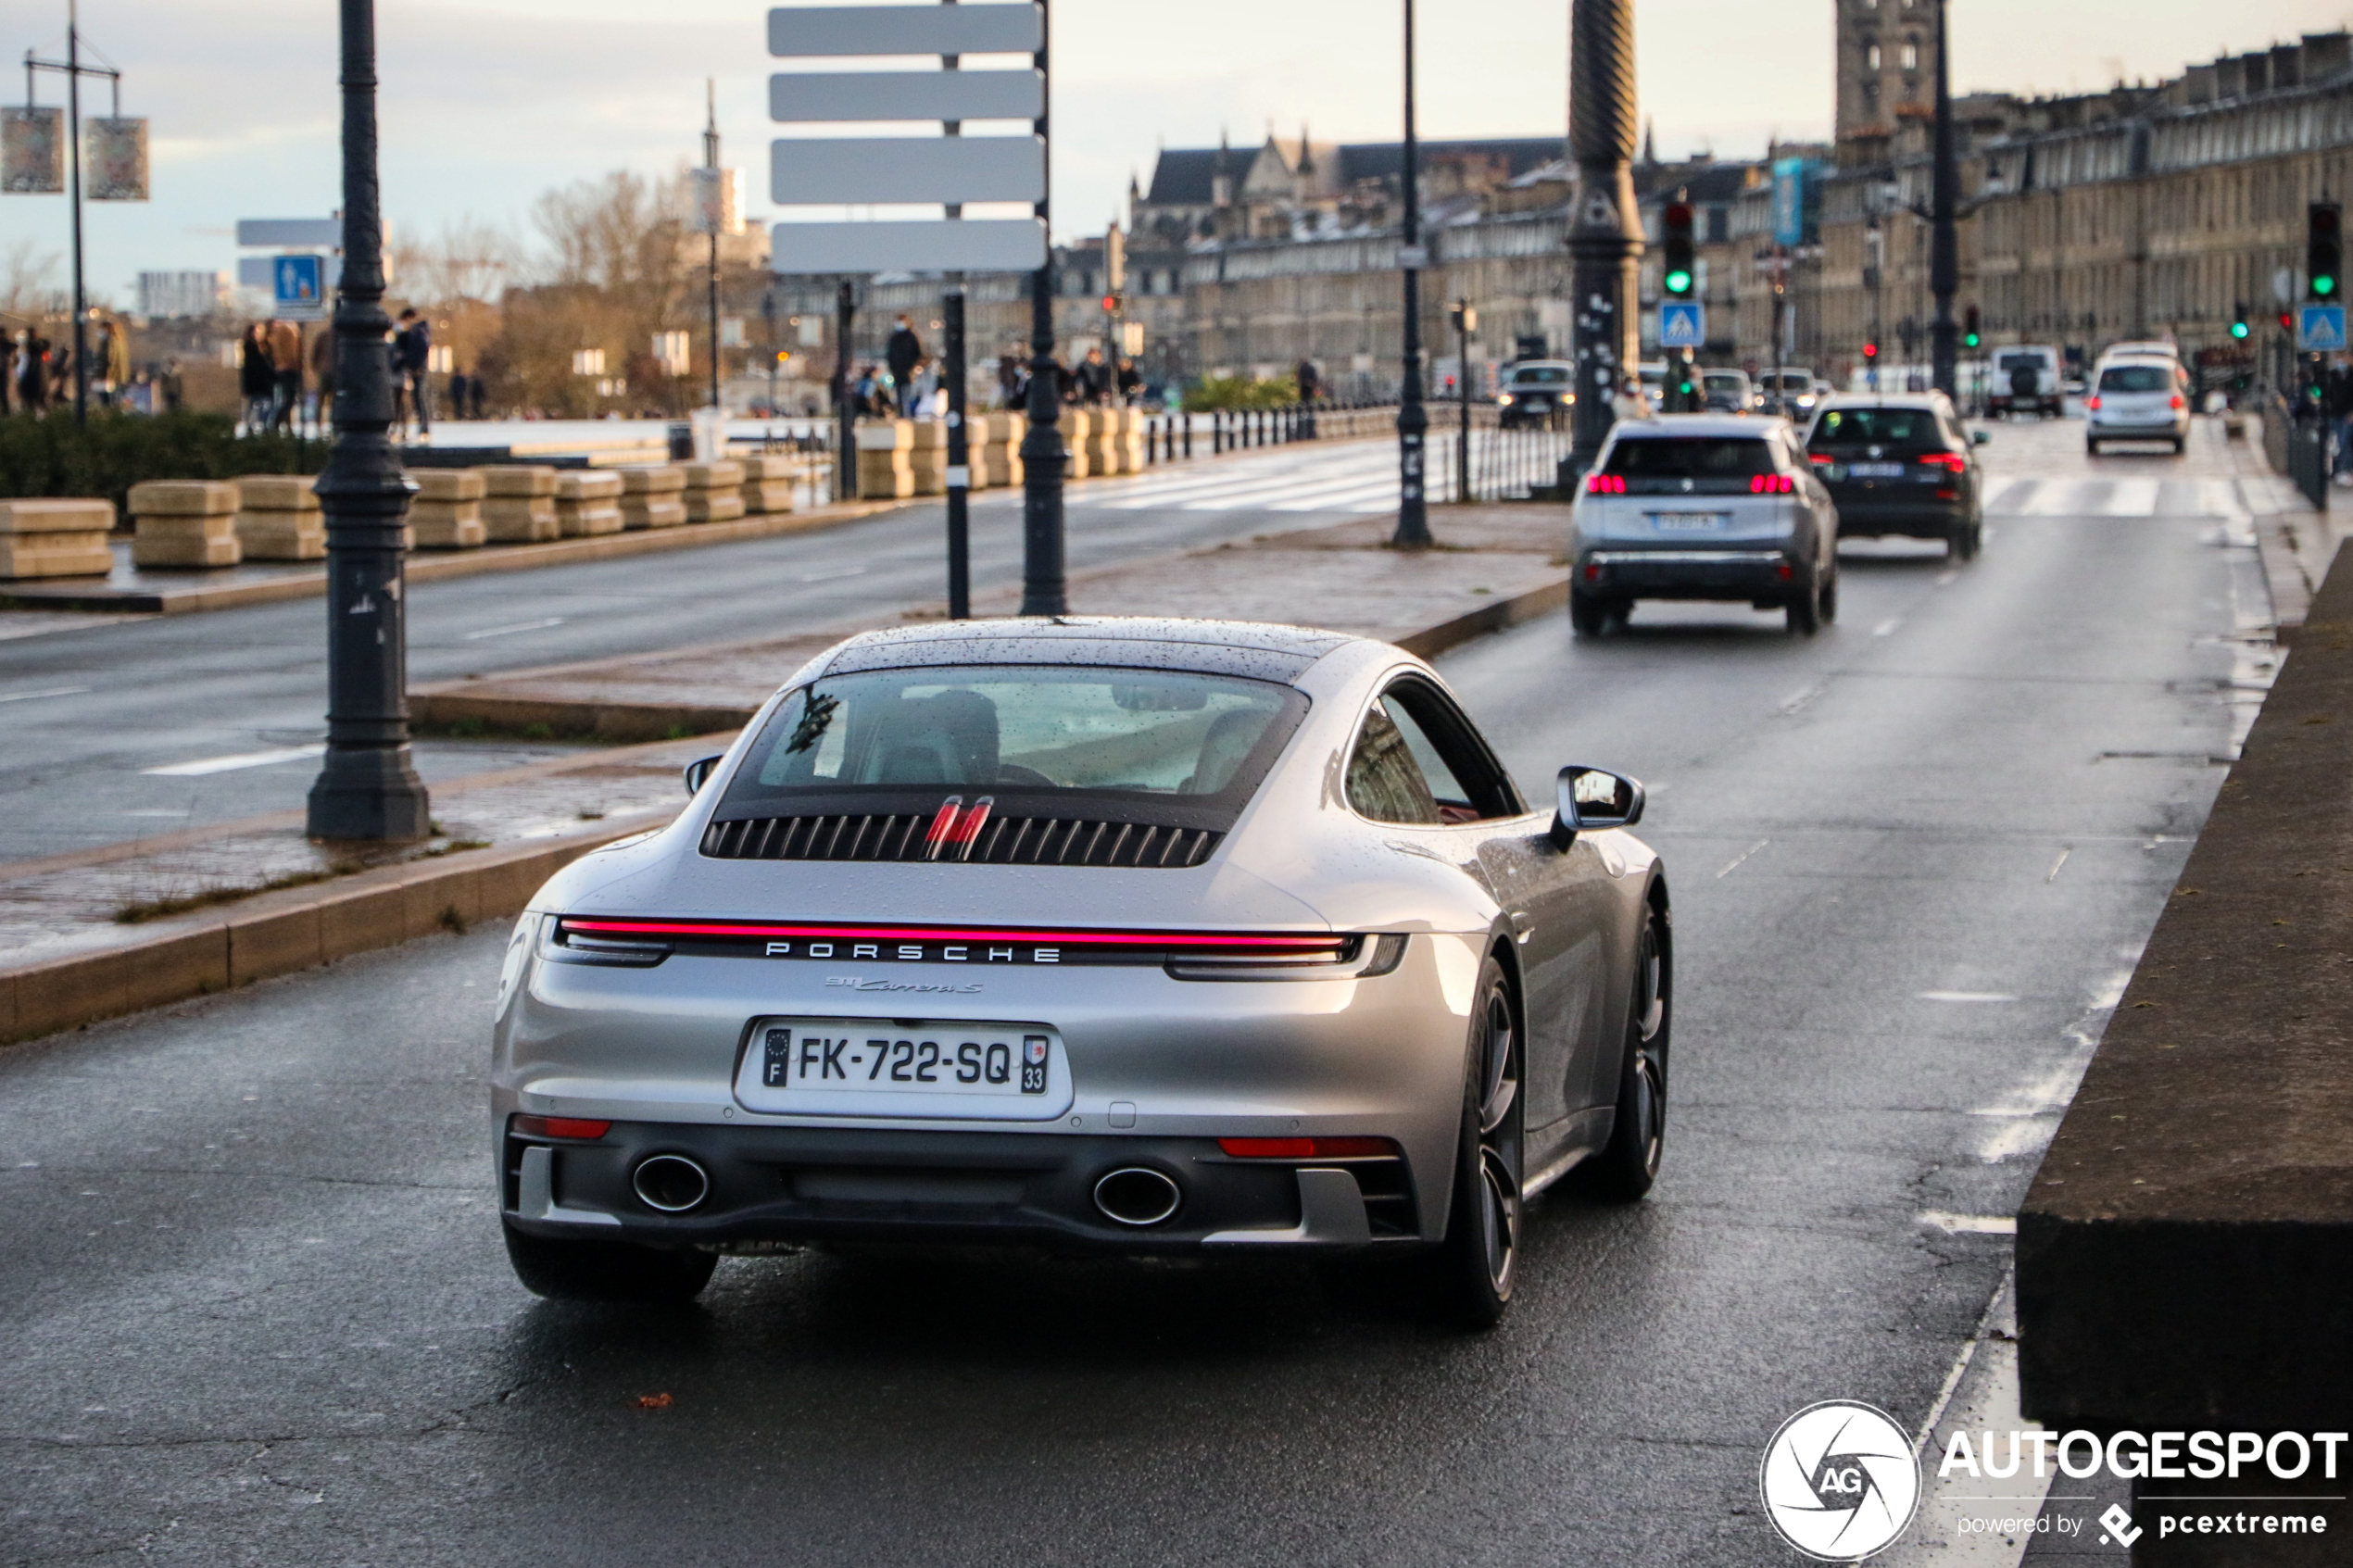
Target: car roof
1253	649
1541	365
1751	426
1918	402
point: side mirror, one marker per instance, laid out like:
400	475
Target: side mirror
1592	798
1980	438
700	771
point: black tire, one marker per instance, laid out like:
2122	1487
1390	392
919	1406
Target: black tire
1829	600
1470	1274
1628	1165
1962	541
2179	445
1805	612
608	1271
1590	617
2090	448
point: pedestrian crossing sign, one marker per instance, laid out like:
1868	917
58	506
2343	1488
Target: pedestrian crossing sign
2320	329
1683	324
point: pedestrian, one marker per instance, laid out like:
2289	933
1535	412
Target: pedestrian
113	366
9	348
1131	381
286	359
1310	381
257	377
33	373
1012	378
412	352
171	387
1094	378
903	352
322	373
457	394
478	393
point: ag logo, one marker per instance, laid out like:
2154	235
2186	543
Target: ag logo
1839	1481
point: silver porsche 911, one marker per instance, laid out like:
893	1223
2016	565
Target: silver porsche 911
1137	935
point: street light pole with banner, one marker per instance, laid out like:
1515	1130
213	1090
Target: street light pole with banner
951	170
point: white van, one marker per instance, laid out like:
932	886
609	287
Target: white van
2026	380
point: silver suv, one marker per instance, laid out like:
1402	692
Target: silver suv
1703	507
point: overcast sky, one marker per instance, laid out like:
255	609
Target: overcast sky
488	102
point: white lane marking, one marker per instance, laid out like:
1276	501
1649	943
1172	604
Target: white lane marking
1358	499
178	814
1967	1224
2130	497
36	697
2012	496
1887	628
204	765
1966	997
1949	574
2057	864
511	631
834	575
1743	856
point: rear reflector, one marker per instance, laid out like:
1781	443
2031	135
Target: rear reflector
1309	1148
560	1127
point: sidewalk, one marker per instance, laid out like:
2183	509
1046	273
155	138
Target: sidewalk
2297	541
100	933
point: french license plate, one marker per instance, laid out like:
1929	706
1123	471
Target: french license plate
1687	523
1876	471
889	1067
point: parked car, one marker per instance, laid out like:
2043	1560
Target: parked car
1901	464
1080	934
1703	507
1727	392
1534	390
2027	381
2139	398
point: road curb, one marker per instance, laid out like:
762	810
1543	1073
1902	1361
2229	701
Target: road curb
273	934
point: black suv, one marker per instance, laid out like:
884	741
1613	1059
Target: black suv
1900	465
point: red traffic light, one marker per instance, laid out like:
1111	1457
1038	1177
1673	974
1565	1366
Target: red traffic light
1870	351
2287	323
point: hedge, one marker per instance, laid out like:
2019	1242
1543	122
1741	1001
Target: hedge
55	456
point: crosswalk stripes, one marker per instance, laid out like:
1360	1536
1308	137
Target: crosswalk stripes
1358	477
2115	498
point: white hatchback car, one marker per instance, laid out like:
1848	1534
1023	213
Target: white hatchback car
2138	397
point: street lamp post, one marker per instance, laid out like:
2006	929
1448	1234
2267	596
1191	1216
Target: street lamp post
1945	249
1412	420
1605	236
1466	324
1044	458
369	788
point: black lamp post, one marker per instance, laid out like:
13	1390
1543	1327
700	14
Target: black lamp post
1412	419
1605	235
1044	590
1945	246
369	788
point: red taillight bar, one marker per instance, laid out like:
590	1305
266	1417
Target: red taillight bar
1952	460
1605	484
1771	484
561	1127
1310	1148
956	933
943	826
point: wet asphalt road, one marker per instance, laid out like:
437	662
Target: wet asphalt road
255	1309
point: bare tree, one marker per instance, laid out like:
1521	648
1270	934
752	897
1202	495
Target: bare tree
27	282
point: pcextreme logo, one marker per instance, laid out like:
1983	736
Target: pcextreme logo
1840	1481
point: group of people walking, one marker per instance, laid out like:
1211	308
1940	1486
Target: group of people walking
39	374
272	359
907	383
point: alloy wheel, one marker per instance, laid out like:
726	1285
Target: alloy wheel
1649	1065
1498	1142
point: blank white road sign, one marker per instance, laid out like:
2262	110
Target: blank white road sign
946	245
289	233
905	30
907	168
906	94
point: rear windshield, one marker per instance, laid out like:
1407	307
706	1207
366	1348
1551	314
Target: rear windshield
1541	375
1690	458
1723	380
2022	361
1021	728
1915	428
2136	377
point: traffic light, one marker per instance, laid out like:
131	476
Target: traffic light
1971	335
1111	305
2324	251
1870	351
1681	274
2238	321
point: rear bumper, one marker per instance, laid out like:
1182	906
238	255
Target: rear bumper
798	1185
2101	429
1757	576
1910	519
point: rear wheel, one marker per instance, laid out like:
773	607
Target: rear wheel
1591	617
1805	612
1829	600
1962	541
2091	447
606	1270
1628	1165
1470	1274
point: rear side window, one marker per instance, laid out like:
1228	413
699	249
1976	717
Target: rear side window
1691	458
2136	377
1418	762
1918	429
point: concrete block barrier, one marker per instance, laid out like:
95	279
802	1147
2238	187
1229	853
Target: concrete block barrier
998	453
185	523
885	470
1078	431
279	517
927	455
446	513
768	482
587	503
519	504
56	537
652	497
714	491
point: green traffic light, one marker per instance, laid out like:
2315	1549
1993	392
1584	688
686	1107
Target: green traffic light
1679	282
2324	286
1971	340
2238	329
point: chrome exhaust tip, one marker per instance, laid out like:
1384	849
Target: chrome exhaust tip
671	1182
1136	1195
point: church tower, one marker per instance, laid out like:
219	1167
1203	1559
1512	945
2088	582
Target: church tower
1886	73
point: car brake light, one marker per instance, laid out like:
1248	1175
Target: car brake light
1309	1148
1605	484
1786	570
1820	459
1944	495
2179	402
561	1127
1771	484
1952	460
2093	404
1593	574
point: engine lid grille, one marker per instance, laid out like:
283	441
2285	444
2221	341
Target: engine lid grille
972	835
